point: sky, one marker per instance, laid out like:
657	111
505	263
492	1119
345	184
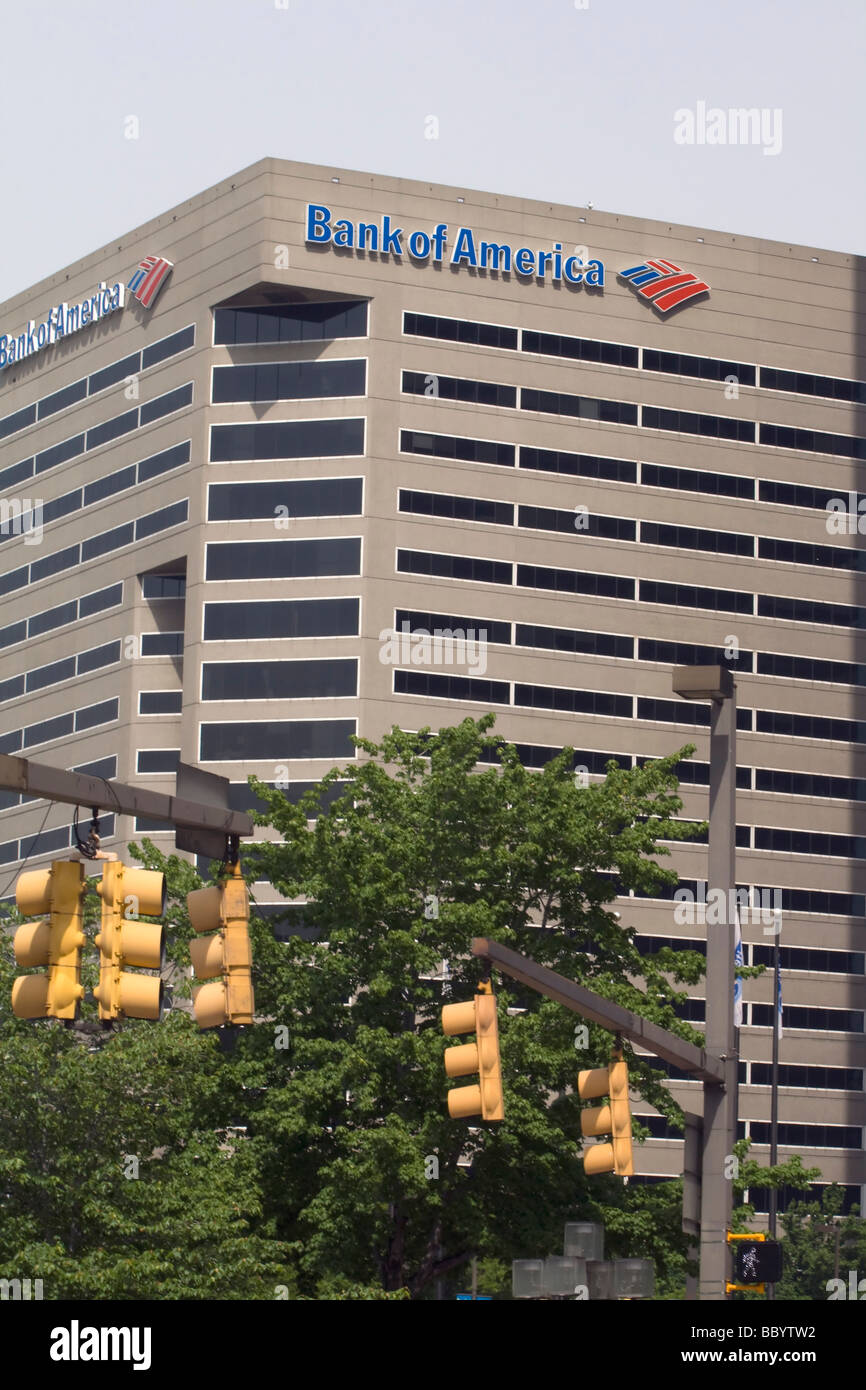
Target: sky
115	112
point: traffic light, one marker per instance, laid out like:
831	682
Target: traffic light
757	1262
126	941
54	941
613	1119
225	910
477	1017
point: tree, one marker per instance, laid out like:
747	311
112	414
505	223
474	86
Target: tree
366	1172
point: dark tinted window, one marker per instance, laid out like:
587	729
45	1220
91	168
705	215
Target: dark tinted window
168	347
283	559
108	541
62	399
11	424
61	506
287	439
16	473
163	585
812	958
563	639
459	331
814	441
809	842
279	680
112	429
102	713
47	730
806	553
98	657
688	654
474	568
686	422
690	538
575	582
462	508
453	447
814	900
167	404
10	743
50	675
15	632
109	485
59	453
693	480
814	1078
487	629
579	349
442	687
292	323
795	494
307	497
46	842
805	610
157	760
808	668
162	644
578	465
116	371
160	702
52	617
325	617
834	388
174	457
54	564
810	726
574	701
591	524
821	1020
277	741
161	520
707	368
15	579
690	596
771	779
581	407
289	381
102	599
452	388
10	690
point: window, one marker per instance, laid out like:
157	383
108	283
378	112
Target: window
112	429
804	384
162	644
578	465
10	690
686	422
292	323
108	541
459	331
574	701
581	407
808	668
811	958
99	601
814	441
48	729
98	657
454	447
279	680
804	610
62	399
445	687
579	349
821	1020
693	480
812	1078
15	632
289	381
20	420
157	760
113	373
486	629
673	711
287	439
52	617
469	567
551	519
794	494
162	520
575	582
277	741
102	713
167	404
770	779
561	639
810	726
160	701
809	842
283	559
691	538
168	347
706	368
50	675
106	487
16	473
803	553
15	579
60	453
452	388
326	617
815	900
688	654
156	586
690	596
460	508
306	497
54	564
157	464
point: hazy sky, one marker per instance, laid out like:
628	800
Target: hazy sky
567	100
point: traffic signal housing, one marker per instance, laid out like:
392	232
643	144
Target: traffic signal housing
55	941
124	941
479	1017
222	909
613	1119
757	1262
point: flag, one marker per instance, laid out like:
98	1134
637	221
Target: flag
779	1007
738	961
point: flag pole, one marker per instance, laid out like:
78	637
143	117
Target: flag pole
774	1080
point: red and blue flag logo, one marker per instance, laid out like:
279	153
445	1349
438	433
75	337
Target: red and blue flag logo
149	279
663	284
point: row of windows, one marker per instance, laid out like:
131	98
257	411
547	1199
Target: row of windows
806	1018
813	959
61	615
325	617
479	570
614	470
796	1076
121	481
277	741
103	433
285	498
98	381
145	526
160	701
63	670
793	900
157	759
60	726
291	323
571	523
329	678
287	439
163	586
103	767
624	355
289	381
340	555
794	1135
49	841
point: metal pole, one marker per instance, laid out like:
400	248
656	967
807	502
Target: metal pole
720	1103
774	1091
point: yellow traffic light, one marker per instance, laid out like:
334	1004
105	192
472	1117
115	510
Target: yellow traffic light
55	941
613	1119
126	941
225	910
477	1017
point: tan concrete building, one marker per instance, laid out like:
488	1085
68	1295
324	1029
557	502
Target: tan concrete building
361	402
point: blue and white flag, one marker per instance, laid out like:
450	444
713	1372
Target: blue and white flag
779	1007
738	961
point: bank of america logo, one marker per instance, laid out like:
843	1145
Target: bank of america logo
149	279
663	284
